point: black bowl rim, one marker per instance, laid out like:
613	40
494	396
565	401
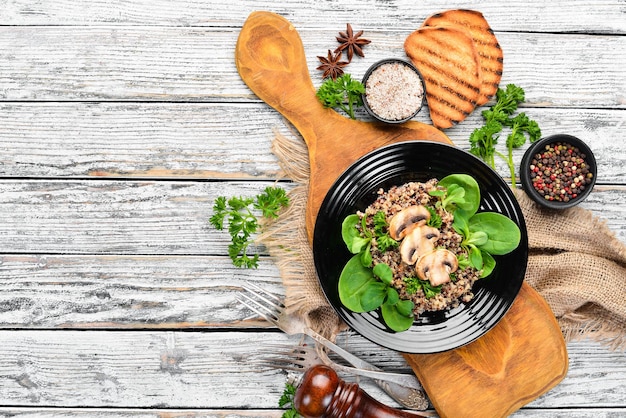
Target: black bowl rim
462	337
389	61
532	150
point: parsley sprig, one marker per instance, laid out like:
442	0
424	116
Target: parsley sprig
286	402
520	125
483	140
383	240
413	284
242	220
343	92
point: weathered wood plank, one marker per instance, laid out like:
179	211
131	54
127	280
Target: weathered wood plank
221	141
51	291
114	217
124	217
533	15
79	63
150	140
196	64
571	413
262	413
139	369
141	413
114	292
130	253
213	370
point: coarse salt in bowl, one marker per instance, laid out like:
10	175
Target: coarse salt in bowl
394	91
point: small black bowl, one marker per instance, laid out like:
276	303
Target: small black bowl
527	176
404	90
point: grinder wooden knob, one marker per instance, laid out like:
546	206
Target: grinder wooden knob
323	394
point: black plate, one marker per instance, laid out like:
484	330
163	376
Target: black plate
397	164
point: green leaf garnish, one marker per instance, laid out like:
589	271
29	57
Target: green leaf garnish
243	222
483	140
343	92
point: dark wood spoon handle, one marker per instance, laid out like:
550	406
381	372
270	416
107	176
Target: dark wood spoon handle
323	394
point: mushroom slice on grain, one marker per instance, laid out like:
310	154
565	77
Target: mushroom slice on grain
436	266
418	241
401	222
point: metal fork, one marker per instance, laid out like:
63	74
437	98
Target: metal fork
404	388
296	358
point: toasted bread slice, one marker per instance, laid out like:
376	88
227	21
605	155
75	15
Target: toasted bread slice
448	61
487	46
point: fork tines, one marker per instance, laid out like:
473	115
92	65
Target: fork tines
264	303
249	286
294	358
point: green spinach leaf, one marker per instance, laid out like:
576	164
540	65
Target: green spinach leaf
351	235
394	315
475	257
504	234
366	255
355	287
373	296
405	308
392	296
384	272
471	197
477	238
460	223
489	263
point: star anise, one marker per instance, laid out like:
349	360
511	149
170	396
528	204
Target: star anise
331	65
351	42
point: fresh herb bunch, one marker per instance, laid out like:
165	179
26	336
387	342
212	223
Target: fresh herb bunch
413	284
383	240
243	222
484	139
520	125
343	92
286	402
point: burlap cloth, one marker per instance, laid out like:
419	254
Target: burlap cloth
576	263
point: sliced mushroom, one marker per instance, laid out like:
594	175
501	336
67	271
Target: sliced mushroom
400	223
436	266
418	241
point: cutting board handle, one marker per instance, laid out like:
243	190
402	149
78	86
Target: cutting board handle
271	61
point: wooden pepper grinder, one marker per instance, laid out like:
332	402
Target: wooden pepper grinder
323	394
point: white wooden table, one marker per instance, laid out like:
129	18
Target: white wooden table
120	123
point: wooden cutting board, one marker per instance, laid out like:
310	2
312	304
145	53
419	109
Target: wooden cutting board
520	358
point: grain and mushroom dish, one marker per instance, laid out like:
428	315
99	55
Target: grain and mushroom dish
420	247
425	267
